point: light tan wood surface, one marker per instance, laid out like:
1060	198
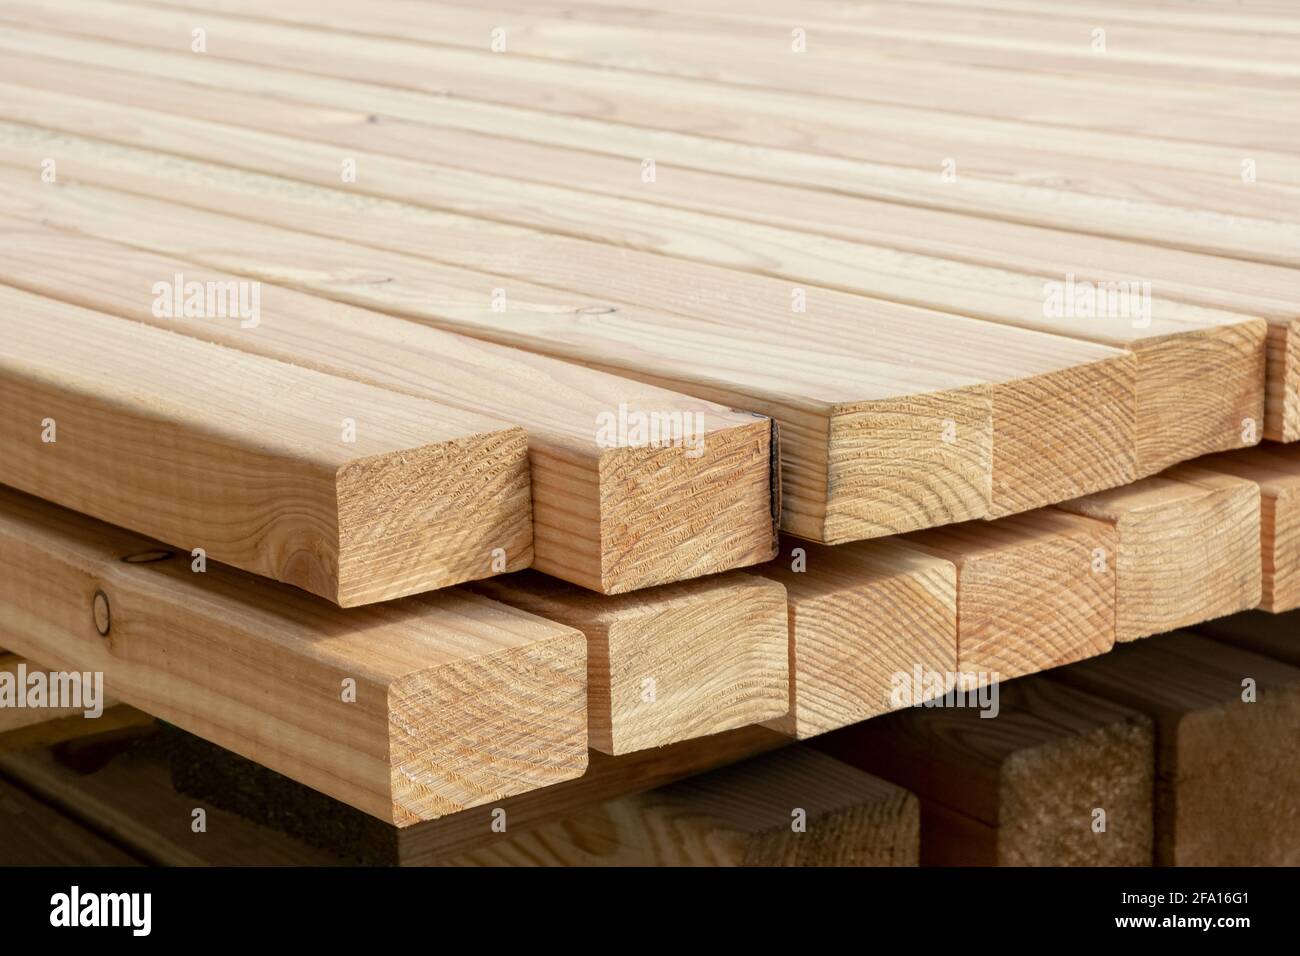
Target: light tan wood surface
611	510
351	492
1187	548
1179	419
673	662
407	710
992	424
863	617
1034	591
1275	469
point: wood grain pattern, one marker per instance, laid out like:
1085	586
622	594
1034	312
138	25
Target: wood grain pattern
1187	548
669	663
610	511
852	409
1021	788
252	460
1213	806
1184	420
1275	469
742	815
1074	431
407	710
1061	188
1033	591
1179	421
860	615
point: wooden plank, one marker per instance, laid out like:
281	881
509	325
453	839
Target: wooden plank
33	834
130	799
1158	107
1213	805
1276	470
743	815
1180	410
1047	444
227	780
880	30
790	233
610	509
1022	788
348	491
1270	634
1136	54
406	711
861	615
669	663
1034	591
1208	211
1187	548
845	403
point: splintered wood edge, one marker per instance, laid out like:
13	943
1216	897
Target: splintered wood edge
1064	434
668	514
1199	392
488	727
908	463
430	517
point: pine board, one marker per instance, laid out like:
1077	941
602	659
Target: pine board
405	710
352	492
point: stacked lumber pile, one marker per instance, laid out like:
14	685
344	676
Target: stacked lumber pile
537	433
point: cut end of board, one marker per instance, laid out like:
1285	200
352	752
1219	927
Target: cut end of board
1282	399
1034	591
1063	434
670	663
1188	548
1213	536
1199	393
867	620
694	664
684	511
907	464
480	729
430	517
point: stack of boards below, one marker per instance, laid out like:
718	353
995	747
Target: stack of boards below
1120	761
419	431
524	688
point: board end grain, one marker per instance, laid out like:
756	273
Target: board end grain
863	618
900	465
1199	392
1064	434
1188	548
423	518
673	513
487	727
